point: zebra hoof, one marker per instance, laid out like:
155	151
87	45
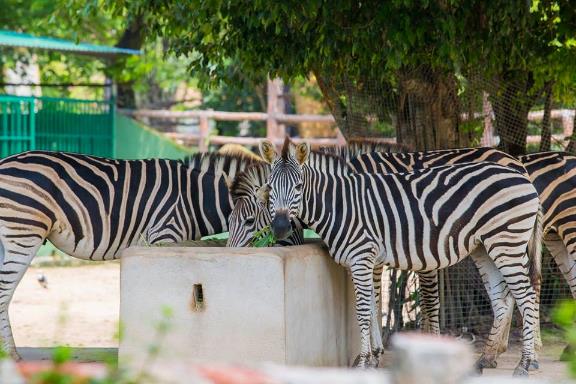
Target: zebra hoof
520	371
377	352
363	362
534	365
478	368
486	362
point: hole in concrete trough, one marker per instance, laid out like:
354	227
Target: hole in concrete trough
197	298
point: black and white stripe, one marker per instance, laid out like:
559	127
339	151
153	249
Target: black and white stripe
421	221
92	208
368	157
554	177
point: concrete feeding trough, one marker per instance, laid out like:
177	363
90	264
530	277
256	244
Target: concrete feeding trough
287	305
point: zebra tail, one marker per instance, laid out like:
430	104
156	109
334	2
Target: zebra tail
535	252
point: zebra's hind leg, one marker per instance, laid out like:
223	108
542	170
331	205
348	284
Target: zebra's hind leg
376	323
502	303
514	267
15	257
362	277
429	301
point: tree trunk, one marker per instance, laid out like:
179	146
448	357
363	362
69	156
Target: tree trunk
332	95
132	38
546	136
571	147
511	103
428	114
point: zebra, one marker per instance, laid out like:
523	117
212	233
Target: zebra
553	174
554	177
475	209
92	208
250	215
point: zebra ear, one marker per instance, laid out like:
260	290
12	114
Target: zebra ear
267	151
302	152
263	194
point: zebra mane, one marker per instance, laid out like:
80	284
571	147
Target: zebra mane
357	147
216	163
327	162
246	182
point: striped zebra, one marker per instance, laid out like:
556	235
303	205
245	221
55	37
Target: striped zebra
446	213
250	215
554	177
92	208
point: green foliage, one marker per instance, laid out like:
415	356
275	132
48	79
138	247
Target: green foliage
3	353
364	39
263	238
565	316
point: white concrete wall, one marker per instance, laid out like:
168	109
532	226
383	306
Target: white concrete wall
285	305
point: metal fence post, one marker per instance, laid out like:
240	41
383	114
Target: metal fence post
112	109
32	113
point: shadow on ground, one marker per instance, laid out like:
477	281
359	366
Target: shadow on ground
84	355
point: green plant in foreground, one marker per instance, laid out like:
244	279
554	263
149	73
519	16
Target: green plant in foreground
263	238
565	316
60	355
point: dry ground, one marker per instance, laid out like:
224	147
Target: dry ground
80	308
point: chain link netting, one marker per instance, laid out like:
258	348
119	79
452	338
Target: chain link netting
431	110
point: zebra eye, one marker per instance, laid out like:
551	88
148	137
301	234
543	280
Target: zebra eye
298	187
249	221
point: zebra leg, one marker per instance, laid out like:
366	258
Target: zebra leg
517	276
15	257
502	304
566	261
362	277
429	301
376	324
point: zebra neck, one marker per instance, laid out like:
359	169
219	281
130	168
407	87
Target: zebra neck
325	200
208	205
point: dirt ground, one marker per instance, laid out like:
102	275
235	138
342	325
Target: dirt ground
80	308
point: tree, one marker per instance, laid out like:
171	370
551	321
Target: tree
416	50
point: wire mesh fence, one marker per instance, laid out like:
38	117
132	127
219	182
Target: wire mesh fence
428	110
431	110
465	309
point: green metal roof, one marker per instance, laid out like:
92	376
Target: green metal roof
17	39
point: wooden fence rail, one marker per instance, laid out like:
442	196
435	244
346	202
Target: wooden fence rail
276	131
274	126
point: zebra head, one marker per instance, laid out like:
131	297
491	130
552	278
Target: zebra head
285	183
250	213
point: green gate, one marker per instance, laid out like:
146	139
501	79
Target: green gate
55	124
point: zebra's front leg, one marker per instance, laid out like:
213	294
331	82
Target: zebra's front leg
430	301
362	277
15	257
566	261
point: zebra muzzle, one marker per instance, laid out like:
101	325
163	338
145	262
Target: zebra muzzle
281	225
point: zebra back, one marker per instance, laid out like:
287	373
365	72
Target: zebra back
385	162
